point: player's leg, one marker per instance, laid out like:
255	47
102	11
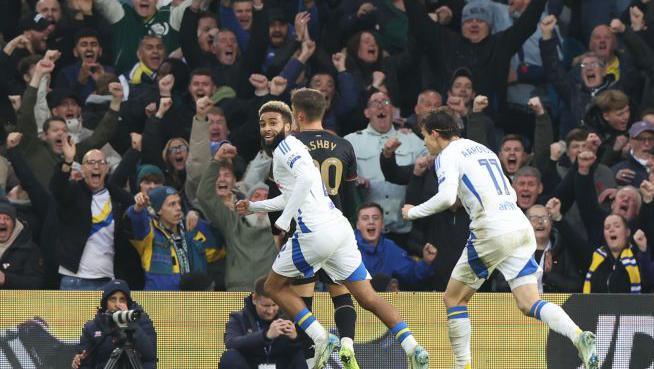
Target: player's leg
345	317
346	266
279	289
368	299
521	271
529	302
305	289
456	298
300	258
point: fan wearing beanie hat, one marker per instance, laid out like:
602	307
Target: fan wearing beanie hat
167	198
166	248
149	177
477	21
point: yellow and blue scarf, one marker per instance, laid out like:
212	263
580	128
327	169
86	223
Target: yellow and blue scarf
627	259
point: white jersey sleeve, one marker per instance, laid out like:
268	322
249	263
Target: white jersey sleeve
473	173
447	171
297	175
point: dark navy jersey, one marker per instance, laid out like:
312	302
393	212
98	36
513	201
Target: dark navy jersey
334	157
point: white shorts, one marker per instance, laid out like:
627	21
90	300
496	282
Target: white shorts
511	253
332	248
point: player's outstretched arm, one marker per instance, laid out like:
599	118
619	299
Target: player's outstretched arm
444	199
448	186
270	205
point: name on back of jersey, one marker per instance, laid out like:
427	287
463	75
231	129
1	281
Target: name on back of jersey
321	144
477	149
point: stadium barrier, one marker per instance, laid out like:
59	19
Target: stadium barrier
40	329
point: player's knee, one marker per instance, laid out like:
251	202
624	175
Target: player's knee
524	307
451	300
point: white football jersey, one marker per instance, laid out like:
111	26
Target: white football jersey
291	160
485	192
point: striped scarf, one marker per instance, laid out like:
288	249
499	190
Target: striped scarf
627	259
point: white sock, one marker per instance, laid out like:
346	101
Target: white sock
409	344
402	333
459	332
347	342
317	332
458	328
557	319
311	326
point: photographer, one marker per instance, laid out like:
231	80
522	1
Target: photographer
256	336
102	335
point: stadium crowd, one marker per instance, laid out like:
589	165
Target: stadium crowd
115	116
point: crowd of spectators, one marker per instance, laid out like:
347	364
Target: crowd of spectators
114	114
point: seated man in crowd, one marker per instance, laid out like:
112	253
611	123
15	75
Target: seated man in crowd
258	337
383	256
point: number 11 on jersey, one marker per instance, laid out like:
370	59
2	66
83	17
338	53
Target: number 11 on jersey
492	165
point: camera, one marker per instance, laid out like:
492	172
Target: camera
122	318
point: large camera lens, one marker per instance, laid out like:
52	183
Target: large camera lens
123	317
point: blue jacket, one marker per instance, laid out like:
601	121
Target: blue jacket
158	257
388	258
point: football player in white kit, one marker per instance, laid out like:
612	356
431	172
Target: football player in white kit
324	239
500	238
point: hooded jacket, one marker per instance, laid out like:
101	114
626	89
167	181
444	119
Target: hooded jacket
100	334
21	262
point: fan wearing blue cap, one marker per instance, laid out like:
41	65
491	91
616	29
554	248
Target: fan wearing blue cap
166	248
633	170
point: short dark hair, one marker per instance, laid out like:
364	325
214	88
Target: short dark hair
86	32
206	14
277	107
367	205
150	37
226	164
27	62
443	121
309	101
514	137
46	124
576	134
259	287
216	110
202	72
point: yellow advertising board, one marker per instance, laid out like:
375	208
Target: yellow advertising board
190	326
